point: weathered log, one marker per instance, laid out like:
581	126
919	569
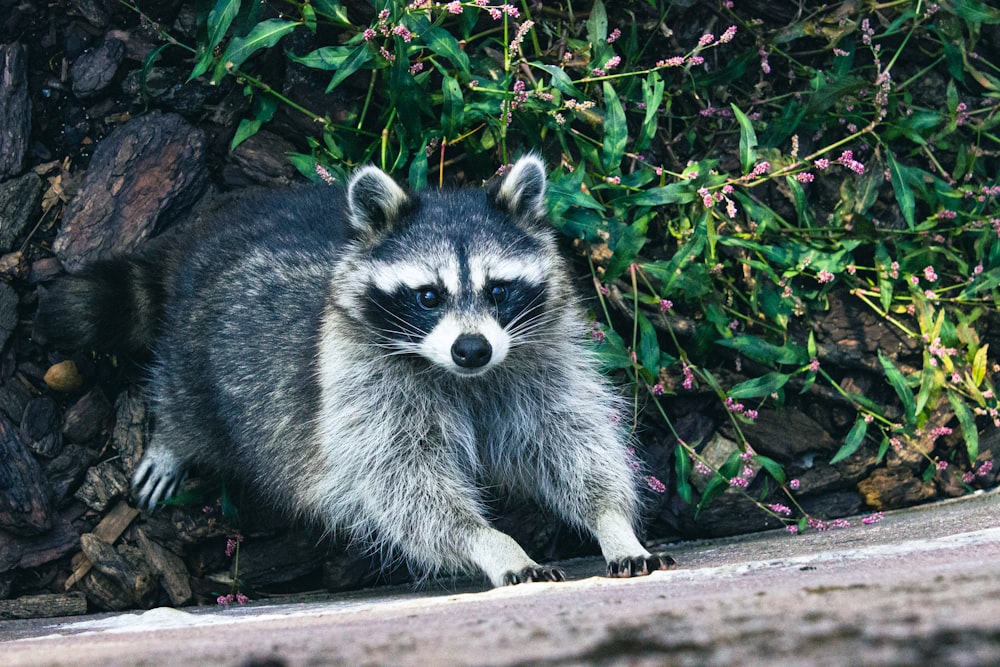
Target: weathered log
44	606
143	174
15	109
24	495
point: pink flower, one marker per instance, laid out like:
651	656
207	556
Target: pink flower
728	35
615	34
804	177
654	484
825	276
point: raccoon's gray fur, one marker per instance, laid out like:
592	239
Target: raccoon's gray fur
375	360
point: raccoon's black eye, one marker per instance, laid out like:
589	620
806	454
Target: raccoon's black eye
428	298
498	293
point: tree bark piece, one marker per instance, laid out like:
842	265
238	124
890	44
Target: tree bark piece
143	174
15	109
109	529
44	606
24	495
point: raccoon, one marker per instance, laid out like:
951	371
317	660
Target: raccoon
378	361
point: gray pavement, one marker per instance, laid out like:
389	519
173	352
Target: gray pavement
920	587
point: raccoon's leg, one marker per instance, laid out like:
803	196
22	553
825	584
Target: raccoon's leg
590	484
505	562
158	476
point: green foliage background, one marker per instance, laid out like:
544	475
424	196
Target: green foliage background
722	173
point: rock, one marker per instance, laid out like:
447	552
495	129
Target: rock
44	606
14	398
95	69
40	427
145	172
64	376
19	198
85	418
15	109
891	488
24	495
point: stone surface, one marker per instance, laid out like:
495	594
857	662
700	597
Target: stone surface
24	495
917	588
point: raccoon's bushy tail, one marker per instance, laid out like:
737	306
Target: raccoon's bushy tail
110	305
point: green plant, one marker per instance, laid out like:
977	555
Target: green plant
718	203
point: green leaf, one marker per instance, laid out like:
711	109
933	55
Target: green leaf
764	352
327	58
898	383
974	11
332	9
883	262
748	140
772	467
264	107
854	439
560	80
443	43
979	365
611	352
615	129
418	169
765	385
649	346
968	423
264	35
217	24
452	108
355	61
898	175
597	24
682	471
652	96
675	193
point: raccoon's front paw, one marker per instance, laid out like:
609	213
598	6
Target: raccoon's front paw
157	478
534	573
640	565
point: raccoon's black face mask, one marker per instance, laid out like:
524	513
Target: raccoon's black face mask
458	278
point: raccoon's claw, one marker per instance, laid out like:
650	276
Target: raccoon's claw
534	573
641	565
156	479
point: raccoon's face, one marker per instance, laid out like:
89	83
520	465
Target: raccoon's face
458	278
462	312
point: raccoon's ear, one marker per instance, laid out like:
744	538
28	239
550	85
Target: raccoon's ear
521	192
375	202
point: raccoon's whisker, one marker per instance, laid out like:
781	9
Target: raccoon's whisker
408	328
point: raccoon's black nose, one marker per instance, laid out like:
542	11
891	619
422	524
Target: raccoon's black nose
471	351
